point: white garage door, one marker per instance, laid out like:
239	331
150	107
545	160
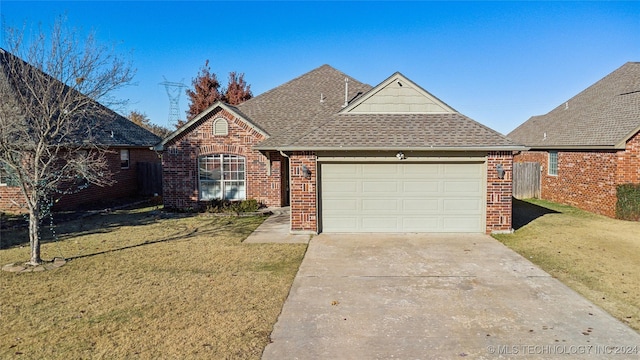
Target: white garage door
407	197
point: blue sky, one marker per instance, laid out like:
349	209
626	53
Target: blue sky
496	62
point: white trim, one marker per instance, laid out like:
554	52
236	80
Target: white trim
403	79
549	163
221	157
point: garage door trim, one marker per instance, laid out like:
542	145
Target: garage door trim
404	216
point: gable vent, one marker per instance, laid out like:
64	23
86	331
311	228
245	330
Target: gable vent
220	127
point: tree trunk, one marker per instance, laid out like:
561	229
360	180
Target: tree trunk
34	235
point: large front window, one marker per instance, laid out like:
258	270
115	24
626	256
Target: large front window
221	176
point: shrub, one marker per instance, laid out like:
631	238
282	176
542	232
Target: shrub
227	206
628	204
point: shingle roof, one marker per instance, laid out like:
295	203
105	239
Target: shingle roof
294	108
605	115
107	127
305	113
297	120
400	131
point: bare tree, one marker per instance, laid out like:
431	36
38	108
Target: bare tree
50	118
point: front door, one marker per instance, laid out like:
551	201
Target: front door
284	175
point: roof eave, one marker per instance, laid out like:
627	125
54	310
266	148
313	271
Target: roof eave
396	148
577	147
623	143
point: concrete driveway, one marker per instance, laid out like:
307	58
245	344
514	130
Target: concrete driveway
420	296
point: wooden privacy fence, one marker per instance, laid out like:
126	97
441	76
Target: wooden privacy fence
526	180
149	178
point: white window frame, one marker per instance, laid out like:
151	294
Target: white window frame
552	168
125	163
222	176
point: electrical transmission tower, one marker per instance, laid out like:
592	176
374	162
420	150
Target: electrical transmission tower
174	89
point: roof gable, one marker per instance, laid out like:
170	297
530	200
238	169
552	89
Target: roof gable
604	115
398	95
206	114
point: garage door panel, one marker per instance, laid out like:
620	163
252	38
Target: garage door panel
451	187
380	205
407	197
380	224
341	205
426	171
340	187
430	206
342	171
462	170
461	224
421	187
420	224
379	187
462	206
380	171
340	224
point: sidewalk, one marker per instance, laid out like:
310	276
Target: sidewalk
276	230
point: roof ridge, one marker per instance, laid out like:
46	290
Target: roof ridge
308	73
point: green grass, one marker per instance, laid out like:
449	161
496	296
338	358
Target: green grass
599	257
146	284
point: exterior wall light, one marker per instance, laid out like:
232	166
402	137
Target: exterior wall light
306	173
500	171
400	155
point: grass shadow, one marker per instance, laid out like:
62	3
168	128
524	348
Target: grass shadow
525	212
68	225
186	235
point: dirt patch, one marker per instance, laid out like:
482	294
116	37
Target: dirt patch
599	257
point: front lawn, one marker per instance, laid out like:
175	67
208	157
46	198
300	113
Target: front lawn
145	284
596	256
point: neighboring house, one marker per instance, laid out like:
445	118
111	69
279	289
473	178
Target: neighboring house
589	144
347	157
129	145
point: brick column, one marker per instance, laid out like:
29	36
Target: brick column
499	192
304	196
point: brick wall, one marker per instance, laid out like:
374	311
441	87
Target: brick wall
499	192
586	179
125	185
11	199
304	199
629	162
180	171
126	180
304	196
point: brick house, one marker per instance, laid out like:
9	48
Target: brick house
346	157
589	144
129	145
